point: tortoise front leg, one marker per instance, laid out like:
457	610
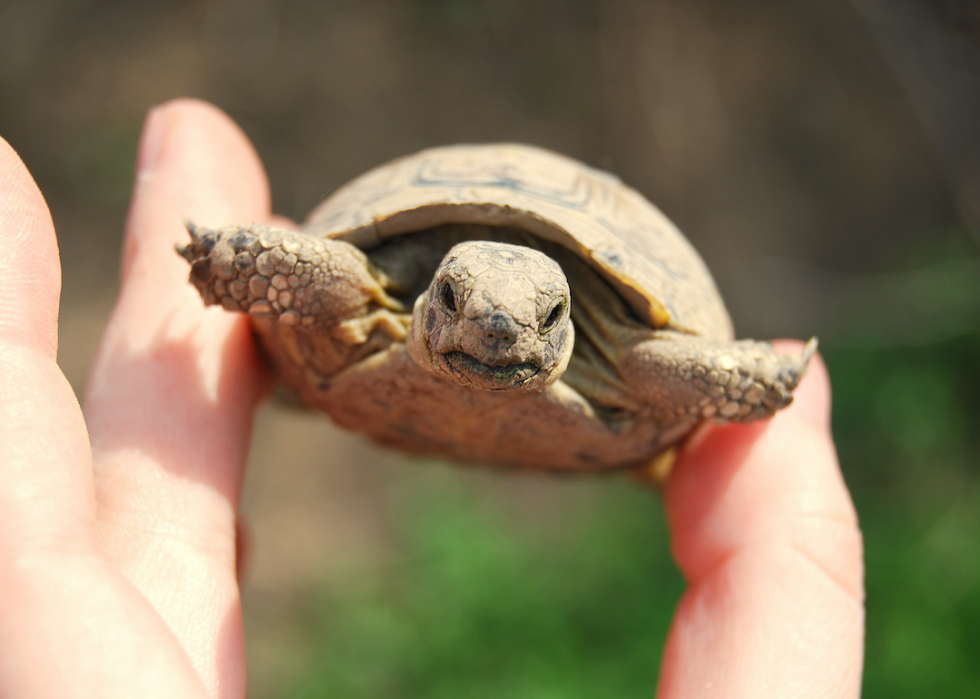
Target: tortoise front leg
297	286
282	274
684	376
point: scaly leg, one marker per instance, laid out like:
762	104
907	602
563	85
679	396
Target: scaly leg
686	377
274	272
319	299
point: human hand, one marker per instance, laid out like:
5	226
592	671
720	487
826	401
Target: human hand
764	531
117	532
117	544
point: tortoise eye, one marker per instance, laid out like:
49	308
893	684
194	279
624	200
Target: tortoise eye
448	297
553	317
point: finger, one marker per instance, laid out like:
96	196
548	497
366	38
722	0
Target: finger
30	283
53	583
174	385
765	533
45	473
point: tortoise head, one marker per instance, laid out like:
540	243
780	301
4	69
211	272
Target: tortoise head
495	317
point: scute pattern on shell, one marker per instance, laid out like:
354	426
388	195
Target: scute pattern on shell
630	242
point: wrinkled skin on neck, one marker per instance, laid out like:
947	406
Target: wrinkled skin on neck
495	317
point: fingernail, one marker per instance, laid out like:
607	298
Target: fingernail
151	141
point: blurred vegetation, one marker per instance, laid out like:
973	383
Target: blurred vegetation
489	608
906	423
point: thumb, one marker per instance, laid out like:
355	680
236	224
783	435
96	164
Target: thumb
174	386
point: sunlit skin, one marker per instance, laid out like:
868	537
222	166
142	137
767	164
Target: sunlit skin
118	522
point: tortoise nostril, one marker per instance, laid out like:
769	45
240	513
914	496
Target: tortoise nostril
499	329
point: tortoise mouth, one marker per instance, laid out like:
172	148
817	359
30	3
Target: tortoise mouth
499	378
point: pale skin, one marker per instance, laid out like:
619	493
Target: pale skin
118	521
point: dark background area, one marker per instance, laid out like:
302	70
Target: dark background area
824	156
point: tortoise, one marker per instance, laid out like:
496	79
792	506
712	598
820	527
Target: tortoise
495	303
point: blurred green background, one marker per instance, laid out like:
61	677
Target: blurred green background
824	156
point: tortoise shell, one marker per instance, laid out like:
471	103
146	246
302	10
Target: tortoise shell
591	212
